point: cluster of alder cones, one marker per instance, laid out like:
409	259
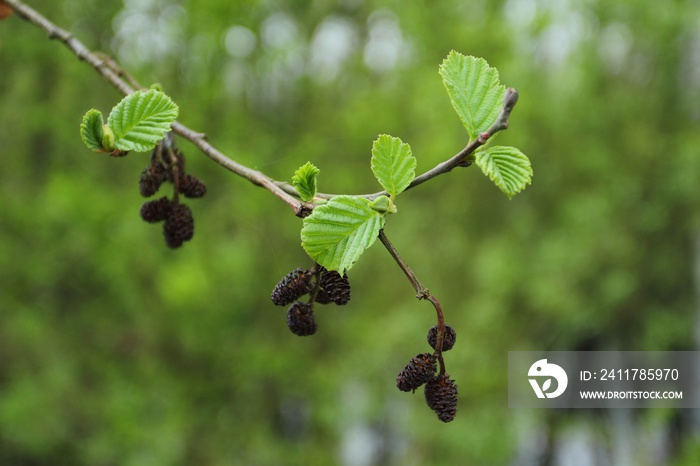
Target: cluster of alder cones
323	287
440	390
328	286
168	165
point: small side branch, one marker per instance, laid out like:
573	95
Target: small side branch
421	293
301	209
462	159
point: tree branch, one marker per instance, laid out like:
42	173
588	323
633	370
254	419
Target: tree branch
114	75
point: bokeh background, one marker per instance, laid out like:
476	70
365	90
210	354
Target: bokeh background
115	350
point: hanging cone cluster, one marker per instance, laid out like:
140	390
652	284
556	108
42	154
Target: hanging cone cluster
448	340
329	287
293	286
440	391
441	397
168	164
418	371
300	319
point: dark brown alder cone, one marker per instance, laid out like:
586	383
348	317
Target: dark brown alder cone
334	288
155	211
300	319
294	285
191	186
149	181
417	372
441	396
179	226
448	341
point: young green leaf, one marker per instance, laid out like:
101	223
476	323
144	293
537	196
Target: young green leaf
141	119
474	89
91	129
337	233
393	164
304	180
384	205
507	167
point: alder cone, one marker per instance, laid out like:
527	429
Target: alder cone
155	211
179	226
294	285
418	371
300	319
441	397
149	182
334	288
448	340
190	186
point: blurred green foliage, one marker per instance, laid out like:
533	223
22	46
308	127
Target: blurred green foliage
115	350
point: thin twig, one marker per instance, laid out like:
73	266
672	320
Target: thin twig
501	123
301	209
421	293
461	159
113	74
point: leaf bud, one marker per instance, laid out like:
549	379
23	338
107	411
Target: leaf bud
108	140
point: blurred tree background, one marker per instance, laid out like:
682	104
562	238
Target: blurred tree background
115	350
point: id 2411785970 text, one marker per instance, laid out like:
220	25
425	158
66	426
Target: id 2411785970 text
630	374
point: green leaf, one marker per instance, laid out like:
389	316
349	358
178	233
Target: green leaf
507	167
337	233
304	180
393	164
141	119
91	129
474	89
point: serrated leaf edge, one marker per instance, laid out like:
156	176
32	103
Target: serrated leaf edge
504	179
393	185
494	86
125	120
